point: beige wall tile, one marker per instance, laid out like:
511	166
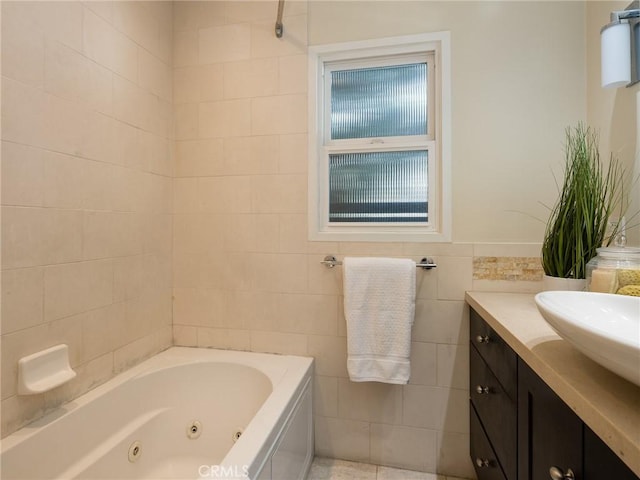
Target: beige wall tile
23	231
22	298
186	121
268	229
185	48
265	44
224	338
453	366
249	11
454	277
279	114
229	118
198	233
293	233
154	75
71	75
195	158
77	287
323	280
279	194
453	455
225	194
441	321
22	107
293	154
251	78
18	411
292	74
101	329
195	306
64	180
22	175
89	375
369	401
340	438
97	35
406	447
279	273
423	363
15	346
92	146
330	355
211	82
185	195
141	349
251	155
22	47
128	277
325	396
185	336
313	314
111	234
186	85
224	43
128	101
275	342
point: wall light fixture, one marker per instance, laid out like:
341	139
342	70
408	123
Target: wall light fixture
620	48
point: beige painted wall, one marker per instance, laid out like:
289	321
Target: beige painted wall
614	111
86	190
518	72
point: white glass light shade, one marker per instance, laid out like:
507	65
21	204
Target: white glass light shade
616	55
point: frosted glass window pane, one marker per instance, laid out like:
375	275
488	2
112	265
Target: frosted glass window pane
379	102
378	187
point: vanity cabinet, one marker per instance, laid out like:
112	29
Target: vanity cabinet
493	391
549	434
520	429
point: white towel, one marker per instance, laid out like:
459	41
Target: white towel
379	305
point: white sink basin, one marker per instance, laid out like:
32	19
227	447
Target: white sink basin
603	326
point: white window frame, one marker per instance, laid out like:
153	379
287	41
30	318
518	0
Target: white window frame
437	142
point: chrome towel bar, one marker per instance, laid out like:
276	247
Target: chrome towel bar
426	263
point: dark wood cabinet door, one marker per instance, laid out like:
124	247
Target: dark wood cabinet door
496	411
549	432
600	462
483	457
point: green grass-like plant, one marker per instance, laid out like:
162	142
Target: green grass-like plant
590	194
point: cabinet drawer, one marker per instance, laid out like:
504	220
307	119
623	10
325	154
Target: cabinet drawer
482	455
496	411
500	358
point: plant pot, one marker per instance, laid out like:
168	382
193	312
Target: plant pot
557	283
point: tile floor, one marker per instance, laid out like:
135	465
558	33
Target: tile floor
331	469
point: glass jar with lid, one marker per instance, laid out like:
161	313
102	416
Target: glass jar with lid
615	270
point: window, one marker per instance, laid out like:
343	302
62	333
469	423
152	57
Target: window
379	140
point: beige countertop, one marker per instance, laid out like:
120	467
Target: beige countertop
608	404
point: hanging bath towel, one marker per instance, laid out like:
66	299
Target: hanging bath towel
379	305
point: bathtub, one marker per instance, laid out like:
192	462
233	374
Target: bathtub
186	413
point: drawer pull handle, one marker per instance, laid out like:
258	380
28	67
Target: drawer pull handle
482	390
557	474
483	462
482	339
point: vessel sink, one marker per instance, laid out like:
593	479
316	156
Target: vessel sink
605	327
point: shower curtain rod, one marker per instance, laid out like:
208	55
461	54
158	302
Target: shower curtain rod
279	26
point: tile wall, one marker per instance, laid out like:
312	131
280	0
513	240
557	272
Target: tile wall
86	190
97	235
247	278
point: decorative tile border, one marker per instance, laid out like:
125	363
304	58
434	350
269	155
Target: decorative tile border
507	268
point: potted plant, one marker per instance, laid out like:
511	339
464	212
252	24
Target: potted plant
580	220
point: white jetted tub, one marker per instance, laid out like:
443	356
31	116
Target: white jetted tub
186	413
